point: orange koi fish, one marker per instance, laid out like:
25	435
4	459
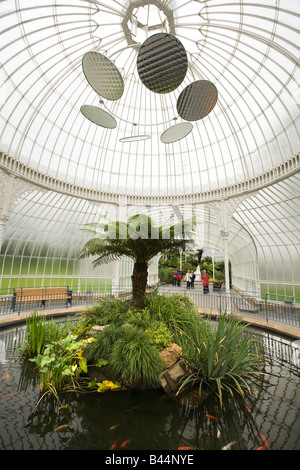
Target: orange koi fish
212	417
228	447
124	444
59	428
261	448
247	408
114	445
266	444
187	448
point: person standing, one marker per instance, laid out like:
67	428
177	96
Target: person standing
205	282
193	277
174	277
188	279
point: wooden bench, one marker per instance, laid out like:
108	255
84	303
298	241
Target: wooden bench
217	286
33	296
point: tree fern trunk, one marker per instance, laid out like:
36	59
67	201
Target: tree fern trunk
139	284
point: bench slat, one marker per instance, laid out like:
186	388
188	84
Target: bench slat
40	291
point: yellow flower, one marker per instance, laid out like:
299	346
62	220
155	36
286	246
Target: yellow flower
88	340
111	385
79	354
101	387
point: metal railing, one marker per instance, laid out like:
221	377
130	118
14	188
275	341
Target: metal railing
285	312
238	303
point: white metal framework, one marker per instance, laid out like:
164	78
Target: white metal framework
237	170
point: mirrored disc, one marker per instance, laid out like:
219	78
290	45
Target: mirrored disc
197	100
162	63
98	116
176	132
102	75
135	138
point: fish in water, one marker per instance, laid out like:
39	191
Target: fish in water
60	428
212	417
114	445
124	444
187	448
115	426
247	408
265	442
228	446
7	395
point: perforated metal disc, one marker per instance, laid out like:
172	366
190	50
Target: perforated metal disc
103	76
176	132
98	116
197	100
162	63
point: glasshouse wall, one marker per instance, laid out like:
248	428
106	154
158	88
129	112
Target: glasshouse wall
272	217
25	265
42	240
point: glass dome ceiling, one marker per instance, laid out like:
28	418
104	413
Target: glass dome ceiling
248	51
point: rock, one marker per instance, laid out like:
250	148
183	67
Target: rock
101	373
171	378
170	355
96	329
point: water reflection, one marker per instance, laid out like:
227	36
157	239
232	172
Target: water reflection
151	420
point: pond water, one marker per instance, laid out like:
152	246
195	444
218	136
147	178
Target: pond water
130	420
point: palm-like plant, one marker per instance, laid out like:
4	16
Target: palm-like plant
139	239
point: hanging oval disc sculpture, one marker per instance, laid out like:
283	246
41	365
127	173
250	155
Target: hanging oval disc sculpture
162	63
98	116
197	100
135	138
103	76
176	132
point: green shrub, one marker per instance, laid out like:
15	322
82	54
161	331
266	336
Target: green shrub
177	312
104	312
60	365
158	335
136	362
103	344
221	358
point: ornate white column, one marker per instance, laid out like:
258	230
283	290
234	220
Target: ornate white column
225	236
223	211
121	215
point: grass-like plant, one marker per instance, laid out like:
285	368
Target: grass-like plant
133	357
177	312
103	344
40	332
136	362
221	358
104	312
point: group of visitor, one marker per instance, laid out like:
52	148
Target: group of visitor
190	279
178	276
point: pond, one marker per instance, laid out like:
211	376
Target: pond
269	419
